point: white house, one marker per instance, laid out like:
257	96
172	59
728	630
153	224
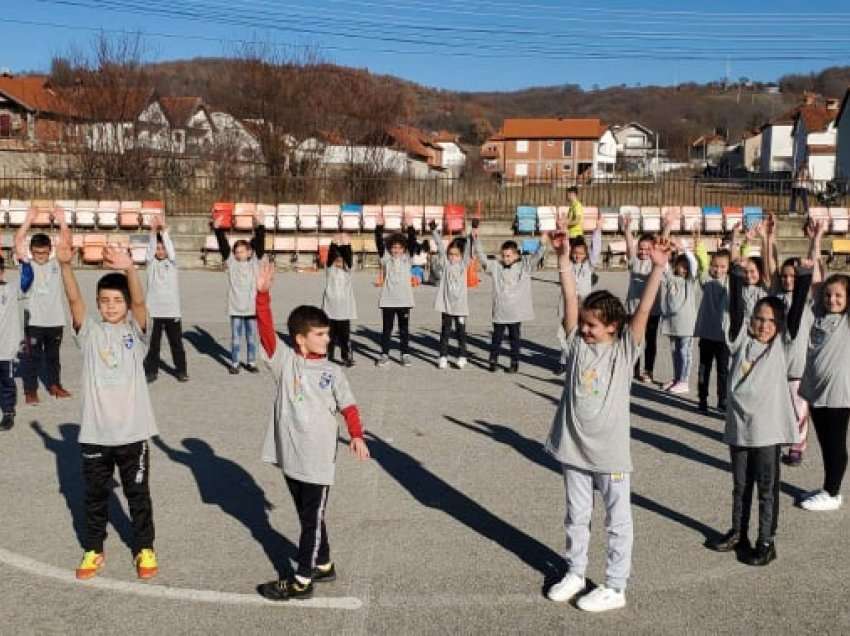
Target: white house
131	119
777	144
192	127
635	146
814	135
842	143
453	156
605	155
232	133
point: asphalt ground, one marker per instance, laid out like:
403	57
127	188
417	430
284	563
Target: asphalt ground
454	526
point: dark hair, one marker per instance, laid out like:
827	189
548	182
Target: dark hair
304	319
647	237
758	261
578	241
159	238
790	262
40	240
396	239
681	259
333	253
459	244
510	245
608	308
2	263
242	243
572	189
778	306
724	253
114	281
841	279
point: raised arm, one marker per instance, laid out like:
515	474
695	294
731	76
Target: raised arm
735	244
631	250
221	238
595	255
21	252
799	298
65	254
479	252
568	283
467	249
437	237
412	243
258	242
815	232
119	259
736	302
379	239
265	321
660	257
667	225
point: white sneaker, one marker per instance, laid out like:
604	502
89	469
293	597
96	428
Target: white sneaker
406	360
679	387
821	501
566	588
602	599
383	361
461	363
443	363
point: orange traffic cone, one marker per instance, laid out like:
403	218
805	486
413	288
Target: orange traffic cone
472	279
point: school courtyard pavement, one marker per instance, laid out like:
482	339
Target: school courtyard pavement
455	526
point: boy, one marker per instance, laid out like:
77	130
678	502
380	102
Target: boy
302	436
10	342
396	254
512	299
117	417
710	327
575	214
164	302
43	291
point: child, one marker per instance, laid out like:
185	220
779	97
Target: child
679	290
10	342
640	267
241	267
451	299
396	292
43	292
302	436
338	298
590	433
163	295
512	298
709	328
575	214
760	416
826	386
117	418
757	277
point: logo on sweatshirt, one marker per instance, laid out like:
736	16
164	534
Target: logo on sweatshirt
326	380
128	341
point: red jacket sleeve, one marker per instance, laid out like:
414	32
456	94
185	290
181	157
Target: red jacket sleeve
265	323
352	421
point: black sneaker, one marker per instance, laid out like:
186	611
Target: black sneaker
792	458
514	368
233	369
284	590
252	368
349	361
493	366
322	575
7	422
763	554
721	406
151	377
728	542
703	406
182	377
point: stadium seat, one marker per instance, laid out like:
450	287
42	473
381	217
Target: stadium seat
307	244
530	246
268	215
130	216
732	215
93	245
151	209
369	245
590	220
393	217
4	211
713	218
691	218
370	217
351	215
840	247
455	218
66	206
615	249
43	213
610	219
139	248
287	216
433	213
107	214
526	219
243	216
308	217
284	244
18	212
547	218
414	215
118	240
838	218
634	212
675	213
329	217
222	211
752	216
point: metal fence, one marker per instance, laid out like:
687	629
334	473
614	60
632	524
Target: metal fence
196	194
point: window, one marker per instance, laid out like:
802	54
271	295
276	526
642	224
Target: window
521	170
635	141
568	167
522	145
568	148
5	126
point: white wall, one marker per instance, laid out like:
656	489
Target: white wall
452	154
842	152
777	149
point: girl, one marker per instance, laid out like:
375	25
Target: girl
756	275
451	299
679	291
590	433
241	265
338	298
826	385
396	289
760	414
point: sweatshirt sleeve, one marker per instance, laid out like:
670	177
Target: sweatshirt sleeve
379	240
595	247
265	323
482	257
352	421
736	303
223	244
799	298
259	241
27	276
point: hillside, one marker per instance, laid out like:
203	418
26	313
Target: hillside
679	113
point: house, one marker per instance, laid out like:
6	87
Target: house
842	139
777	144
706	151
453	154
232	135
424	155
551	149
635	146
751	142
32	113
814	134
192	128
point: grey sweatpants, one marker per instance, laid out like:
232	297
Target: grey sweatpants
616	493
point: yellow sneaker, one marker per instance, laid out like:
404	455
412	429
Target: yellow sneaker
146	566
90	565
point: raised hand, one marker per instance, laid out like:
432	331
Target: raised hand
117	257
561	244
807	263
660	254
58	215
156	223
771	225
627	221
265	275
65	247
820	228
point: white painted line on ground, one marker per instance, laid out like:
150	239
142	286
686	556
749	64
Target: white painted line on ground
172	593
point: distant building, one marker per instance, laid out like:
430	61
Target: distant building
453	154
636	146
707	151
192	128
33	114
842	150
814	134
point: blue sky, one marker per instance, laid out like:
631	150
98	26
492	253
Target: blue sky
463	44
